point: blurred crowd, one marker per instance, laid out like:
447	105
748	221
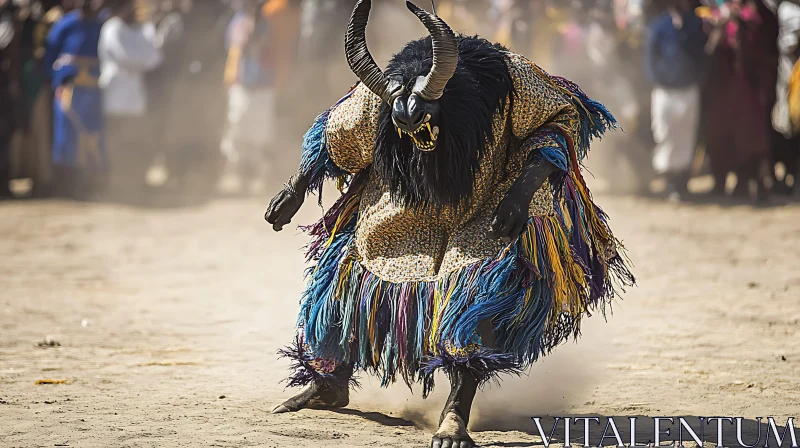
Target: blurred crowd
95	93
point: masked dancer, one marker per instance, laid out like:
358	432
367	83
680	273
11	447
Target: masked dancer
466	241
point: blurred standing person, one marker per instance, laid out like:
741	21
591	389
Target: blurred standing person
79	157
768	35
161	81
322	25
283	17
614	81
31	78
126	53
194	103
740	97
632	18
789	47
9	89
787	147
38	145
602	50
252	74
675	63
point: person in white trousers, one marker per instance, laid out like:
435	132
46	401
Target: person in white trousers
675	63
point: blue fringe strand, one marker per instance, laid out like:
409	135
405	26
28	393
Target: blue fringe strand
315	159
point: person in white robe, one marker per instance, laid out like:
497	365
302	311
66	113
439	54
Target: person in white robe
127	51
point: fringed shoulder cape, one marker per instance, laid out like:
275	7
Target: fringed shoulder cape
395	290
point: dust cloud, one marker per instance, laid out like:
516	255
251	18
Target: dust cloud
553	385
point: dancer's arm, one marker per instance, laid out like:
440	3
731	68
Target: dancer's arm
511	217
338	143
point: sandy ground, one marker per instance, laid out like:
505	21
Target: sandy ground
168	321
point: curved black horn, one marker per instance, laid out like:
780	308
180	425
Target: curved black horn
445	54
359	57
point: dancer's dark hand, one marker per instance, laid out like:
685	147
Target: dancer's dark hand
286	203
511	216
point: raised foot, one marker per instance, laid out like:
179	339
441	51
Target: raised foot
316	396
452	433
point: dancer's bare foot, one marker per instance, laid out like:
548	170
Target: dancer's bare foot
452	433
317	395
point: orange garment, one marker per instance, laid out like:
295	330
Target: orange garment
794	97
283	33
273	7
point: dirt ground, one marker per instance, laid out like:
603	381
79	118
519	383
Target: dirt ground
168	320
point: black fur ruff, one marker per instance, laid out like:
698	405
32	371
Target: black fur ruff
444	177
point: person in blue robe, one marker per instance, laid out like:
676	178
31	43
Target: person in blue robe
79	158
